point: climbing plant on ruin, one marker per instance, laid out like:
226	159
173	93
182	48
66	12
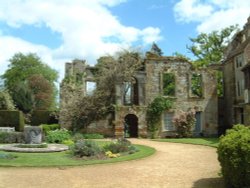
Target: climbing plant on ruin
154	111
81	110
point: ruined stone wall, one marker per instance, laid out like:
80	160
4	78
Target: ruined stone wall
183	100
72	85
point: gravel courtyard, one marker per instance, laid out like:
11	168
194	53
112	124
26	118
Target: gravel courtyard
173	166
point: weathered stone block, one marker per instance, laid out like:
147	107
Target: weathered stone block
33	135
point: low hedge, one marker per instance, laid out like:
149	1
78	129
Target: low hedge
11	137
234	156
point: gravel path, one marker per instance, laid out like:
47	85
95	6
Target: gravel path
173	166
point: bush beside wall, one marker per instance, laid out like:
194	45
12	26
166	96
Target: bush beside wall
11	137
234	156
12	119
39	117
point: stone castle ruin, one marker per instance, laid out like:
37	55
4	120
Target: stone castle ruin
133	98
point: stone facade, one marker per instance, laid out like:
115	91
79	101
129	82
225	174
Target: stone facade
237	78
132	99
205	105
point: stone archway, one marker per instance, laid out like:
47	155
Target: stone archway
131	126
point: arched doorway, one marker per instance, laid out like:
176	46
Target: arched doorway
131	126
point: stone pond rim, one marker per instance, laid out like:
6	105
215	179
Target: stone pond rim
49	149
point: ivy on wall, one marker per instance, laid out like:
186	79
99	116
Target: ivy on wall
154	111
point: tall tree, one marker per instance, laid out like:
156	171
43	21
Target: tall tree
209	48
21	68
42	91
23	97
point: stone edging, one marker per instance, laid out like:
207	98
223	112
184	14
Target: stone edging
50	148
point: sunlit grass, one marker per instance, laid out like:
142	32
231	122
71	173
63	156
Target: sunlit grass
213	142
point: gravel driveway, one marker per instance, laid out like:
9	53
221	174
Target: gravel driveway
173	165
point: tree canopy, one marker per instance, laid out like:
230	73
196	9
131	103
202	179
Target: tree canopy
23	66
25	74
209	48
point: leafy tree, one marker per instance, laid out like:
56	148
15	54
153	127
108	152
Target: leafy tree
209	49
6	102
23	97
21	68
42	91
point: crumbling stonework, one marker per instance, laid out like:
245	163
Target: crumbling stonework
132	98
206	105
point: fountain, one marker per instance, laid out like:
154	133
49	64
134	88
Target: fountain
33	143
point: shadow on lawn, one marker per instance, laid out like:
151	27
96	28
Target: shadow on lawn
209	183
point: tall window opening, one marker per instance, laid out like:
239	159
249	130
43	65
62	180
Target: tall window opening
196	85
168	84
90	87
130	94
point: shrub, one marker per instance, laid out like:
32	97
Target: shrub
184	122
58	136
11	137
85	148
93	136
234	156
77	136
68	142
46	128
119	146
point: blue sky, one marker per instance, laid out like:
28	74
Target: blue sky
62	30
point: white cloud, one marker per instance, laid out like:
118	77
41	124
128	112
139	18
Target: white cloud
83	25
191	10
212	14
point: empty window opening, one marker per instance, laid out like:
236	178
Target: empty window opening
196	85
130	94
168	84
90	87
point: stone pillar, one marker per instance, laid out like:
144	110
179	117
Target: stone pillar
119	129
33	135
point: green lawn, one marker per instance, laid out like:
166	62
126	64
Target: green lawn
65	159
213	142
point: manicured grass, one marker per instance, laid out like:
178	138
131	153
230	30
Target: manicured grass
65	159
213	142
